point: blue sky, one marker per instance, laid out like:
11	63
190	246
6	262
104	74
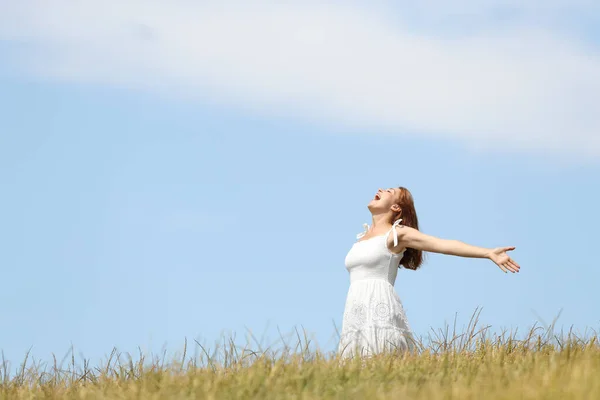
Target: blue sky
146	201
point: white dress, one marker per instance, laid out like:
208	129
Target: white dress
374	319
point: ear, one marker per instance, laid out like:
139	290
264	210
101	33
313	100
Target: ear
396	208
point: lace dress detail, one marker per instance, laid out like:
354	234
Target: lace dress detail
374	319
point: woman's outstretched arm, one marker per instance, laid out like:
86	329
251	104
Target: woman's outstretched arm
414	239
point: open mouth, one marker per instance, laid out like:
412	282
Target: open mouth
377	197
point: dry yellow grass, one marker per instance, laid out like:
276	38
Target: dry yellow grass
472	365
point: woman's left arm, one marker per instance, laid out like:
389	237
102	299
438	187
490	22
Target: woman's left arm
414	239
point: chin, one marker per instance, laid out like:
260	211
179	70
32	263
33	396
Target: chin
372	205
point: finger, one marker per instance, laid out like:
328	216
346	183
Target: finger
502	267
511	266
508	267
510	248
515	265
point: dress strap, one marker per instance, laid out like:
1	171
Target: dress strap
362	234
366	229
396	223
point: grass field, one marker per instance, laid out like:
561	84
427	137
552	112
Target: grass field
473	365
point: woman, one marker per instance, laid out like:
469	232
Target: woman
374	320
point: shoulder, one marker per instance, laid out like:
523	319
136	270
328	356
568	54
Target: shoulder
394	240
401	231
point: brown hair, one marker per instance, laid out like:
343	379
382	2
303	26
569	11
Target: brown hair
412	258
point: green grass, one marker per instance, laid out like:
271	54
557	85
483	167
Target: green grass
472	365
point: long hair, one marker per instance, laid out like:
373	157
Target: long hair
412	258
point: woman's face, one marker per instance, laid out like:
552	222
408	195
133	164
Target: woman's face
384	199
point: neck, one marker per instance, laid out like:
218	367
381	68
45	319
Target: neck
380	220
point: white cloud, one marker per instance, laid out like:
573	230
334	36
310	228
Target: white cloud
519	87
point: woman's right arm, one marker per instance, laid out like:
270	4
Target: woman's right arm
415	239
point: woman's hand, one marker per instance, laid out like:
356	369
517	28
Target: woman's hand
501	259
